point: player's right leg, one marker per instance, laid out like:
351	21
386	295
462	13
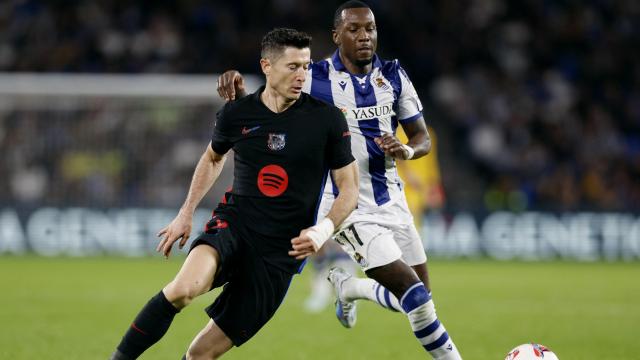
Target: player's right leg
194	278
370	245
423	274
393	284
352	288
407	239
210	343
415	301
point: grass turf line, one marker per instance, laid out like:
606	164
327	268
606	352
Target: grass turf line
78	308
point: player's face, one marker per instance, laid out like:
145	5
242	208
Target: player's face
357	36
286	74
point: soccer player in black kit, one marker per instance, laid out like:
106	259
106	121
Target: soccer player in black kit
285	143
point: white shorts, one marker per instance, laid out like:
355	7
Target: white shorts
376	239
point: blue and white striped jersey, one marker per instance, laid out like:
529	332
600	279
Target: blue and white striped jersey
373	104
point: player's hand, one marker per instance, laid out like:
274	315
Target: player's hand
178	229
302	246
392	146
230	84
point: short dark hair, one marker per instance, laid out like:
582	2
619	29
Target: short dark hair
277	39
351	4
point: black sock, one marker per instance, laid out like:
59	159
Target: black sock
149	326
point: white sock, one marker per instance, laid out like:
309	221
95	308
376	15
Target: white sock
357	288
433	336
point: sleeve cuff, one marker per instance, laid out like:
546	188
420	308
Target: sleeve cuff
411	118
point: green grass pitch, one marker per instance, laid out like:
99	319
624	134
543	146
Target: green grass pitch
78	308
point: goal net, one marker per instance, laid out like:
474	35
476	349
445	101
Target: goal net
99	163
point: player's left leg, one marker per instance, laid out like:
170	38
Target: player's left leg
153	321
252	295
210	343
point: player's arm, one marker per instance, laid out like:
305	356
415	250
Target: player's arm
409	112
418	145
312	239
206	173
346	180
231	85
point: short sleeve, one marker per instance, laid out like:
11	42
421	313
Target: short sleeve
339	141
409	105
221	140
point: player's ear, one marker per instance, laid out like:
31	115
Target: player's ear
265	65
335	36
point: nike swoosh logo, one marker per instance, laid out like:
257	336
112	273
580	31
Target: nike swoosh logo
133	325
246	130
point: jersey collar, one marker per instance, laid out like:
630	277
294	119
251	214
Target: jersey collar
263	106
339	66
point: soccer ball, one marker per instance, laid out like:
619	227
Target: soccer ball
531	352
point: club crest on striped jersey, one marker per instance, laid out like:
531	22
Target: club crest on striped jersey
360	260
381	84
276	142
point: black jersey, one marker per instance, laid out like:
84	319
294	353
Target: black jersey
281	164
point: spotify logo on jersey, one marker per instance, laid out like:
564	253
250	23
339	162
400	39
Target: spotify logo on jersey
272	180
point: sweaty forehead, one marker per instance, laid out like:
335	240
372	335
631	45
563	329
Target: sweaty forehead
357	16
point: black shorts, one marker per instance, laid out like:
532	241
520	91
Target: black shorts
253	289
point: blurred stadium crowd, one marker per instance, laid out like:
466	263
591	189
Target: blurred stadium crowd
104	154
536	103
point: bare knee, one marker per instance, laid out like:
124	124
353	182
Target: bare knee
397	277
210	343
194	278
181	294
423	274
194	353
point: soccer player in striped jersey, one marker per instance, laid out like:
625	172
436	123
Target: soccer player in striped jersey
376	96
